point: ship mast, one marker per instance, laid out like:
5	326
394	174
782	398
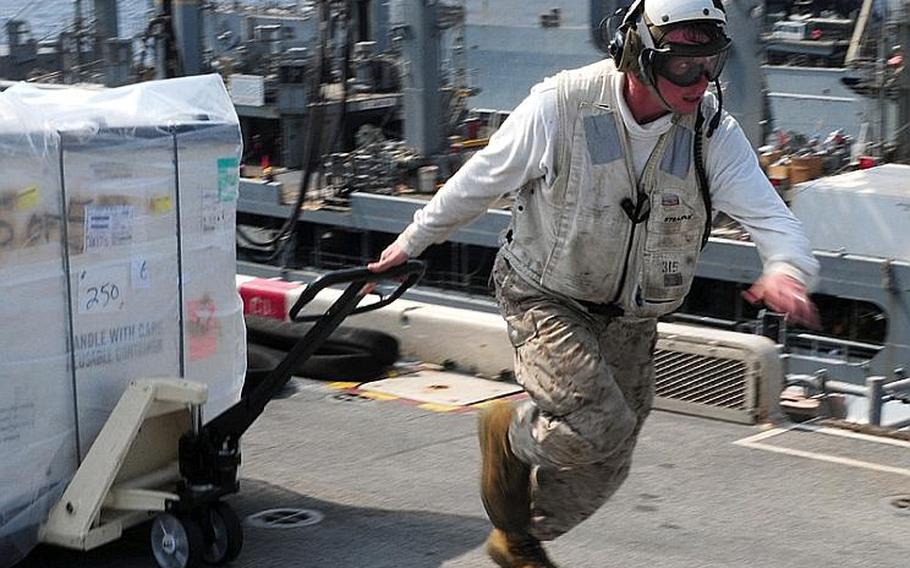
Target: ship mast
78	24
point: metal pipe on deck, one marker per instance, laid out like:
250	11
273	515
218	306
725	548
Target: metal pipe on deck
874	386
841	387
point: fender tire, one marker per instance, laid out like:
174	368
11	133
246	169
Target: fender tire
284	335
339	362
260	361
336	361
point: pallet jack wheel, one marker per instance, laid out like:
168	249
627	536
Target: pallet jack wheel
224	535
177	542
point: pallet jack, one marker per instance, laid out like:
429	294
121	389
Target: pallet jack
156	459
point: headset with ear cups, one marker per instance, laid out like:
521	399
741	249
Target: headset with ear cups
617	44
629	31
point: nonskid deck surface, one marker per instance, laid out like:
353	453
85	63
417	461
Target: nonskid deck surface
395	485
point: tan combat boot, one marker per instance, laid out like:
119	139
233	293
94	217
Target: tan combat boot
517	551
504	479
505	491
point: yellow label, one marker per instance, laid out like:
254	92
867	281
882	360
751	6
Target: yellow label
377	395
433	407
161	204
27	198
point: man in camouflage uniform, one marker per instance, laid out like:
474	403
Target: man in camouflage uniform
614	198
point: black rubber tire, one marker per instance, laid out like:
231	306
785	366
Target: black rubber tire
332	362
339	362
190	542
260	361
227	530
284	335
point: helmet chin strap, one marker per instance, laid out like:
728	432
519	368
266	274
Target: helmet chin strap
645	73
651	85
647	77
715	120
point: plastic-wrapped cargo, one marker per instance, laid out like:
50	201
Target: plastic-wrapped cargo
137	282
872	201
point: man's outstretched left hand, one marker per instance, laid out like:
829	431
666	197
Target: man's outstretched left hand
787	295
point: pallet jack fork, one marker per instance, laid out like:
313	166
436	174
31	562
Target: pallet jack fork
156	459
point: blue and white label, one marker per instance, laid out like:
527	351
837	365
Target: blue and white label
106	227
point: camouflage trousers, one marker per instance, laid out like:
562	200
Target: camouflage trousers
590	381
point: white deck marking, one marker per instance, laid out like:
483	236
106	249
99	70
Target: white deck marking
855	435
755	442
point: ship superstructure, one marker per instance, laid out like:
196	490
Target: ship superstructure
354	112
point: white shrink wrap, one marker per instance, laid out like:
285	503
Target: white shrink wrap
139	282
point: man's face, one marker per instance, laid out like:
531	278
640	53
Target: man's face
683	99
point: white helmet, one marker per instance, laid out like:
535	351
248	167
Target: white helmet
668	12
638	43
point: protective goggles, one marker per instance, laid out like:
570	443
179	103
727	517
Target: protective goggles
685	70
683	64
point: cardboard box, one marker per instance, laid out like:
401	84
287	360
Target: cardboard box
805	168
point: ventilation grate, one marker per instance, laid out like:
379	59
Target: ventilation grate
718	374
701	379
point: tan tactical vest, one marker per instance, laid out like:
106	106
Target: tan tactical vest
576	238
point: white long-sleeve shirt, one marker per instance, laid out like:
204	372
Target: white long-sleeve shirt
524	148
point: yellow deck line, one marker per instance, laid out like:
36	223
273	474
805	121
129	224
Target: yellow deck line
438	407
343	385
377	395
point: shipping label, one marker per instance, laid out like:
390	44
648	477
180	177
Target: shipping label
228	179
106	227
213	212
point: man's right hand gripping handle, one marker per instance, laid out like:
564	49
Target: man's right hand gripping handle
390	257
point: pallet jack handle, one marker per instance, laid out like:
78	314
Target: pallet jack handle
210	456
411	271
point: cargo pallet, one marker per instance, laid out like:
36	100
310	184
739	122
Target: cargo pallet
155	458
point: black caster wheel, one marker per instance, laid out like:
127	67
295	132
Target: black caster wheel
223	534
177	542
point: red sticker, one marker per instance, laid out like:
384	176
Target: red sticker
202	328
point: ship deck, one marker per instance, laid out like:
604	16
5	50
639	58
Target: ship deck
396	485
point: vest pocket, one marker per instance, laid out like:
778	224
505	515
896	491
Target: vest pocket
666	276
675	224
671	249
